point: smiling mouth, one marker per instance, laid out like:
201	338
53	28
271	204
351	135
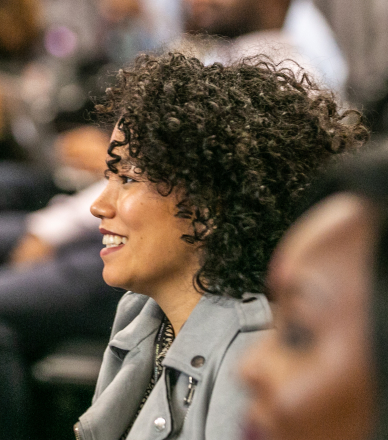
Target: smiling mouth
113	240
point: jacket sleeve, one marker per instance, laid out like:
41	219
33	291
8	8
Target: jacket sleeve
229	397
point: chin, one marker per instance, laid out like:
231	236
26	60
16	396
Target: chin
113	280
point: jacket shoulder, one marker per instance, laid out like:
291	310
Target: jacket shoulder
254	313
228	400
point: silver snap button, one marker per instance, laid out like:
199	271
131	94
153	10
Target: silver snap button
197	361
160	424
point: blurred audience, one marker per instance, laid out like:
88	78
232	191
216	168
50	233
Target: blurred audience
55	57
133	26
52	274
280	28
323	373
362	32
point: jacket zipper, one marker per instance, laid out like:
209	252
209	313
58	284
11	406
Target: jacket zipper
189	396
190	392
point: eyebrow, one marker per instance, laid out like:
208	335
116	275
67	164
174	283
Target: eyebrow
122	168
126	167
120	165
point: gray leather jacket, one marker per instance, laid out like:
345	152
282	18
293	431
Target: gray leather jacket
198	396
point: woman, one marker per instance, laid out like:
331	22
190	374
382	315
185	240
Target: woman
205	166
323	373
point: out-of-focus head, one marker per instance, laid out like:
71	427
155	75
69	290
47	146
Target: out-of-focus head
232	18
323	372
240	143
311	377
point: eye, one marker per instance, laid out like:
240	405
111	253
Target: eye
126	179
297	337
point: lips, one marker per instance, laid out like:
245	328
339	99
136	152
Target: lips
109	250
106	232
112	241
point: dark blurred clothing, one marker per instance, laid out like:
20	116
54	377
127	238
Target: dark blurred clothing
41	306
51	301
24	188
15	423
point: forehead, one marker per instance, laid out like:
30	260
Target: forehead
326	258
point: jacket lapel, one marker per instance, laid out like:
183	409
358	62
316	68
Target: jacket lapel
129	360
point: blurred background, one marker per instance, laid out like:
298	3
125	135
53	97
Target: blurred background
56	56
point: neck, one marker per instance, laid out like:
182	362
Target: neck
178	305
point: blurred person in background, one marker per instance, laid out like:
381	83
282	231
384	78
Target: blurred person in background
132	26
49	68
50	273
53	57
293	29
205	168
322	374
23	185
38	249
362	33
49	258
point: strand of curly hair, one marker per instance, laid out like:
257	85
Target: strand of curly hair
242	142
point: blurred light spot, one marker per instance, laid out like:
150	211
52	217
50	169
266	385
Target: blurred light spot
60	41
71	98
24	131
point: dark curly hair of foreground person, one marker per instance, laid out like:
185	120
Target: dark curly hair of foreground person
241	141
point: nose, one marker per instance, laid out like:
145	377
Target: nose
103	206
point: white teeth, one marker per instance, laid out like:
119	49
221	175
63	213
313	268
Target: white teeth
113	240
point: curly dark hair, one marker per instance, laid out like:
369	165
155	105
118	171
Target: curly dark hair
241	141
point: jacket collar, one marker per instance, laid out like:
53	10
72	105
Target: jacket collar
143	325
211	327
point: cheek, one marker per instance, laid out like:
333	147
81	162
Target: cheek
136	212
304	392
320	394
152	221
323	399
127	208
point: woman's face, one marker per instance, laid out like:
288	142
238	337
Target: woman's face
144	251
311	378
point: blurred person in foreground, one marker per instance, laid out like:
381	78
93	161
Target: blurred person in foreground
293	29
323	373
205	168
